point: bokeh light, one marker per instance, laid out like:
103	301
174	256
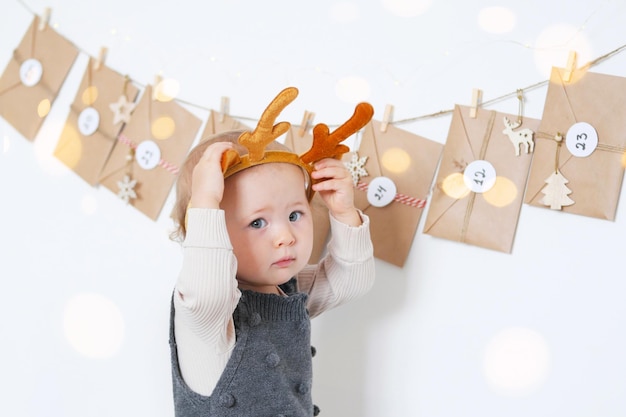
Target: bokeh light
344	12
163	127
45	145
353	89
454	186
166	90
553	45
93	325
89	204
6	144
503	192
396	160
70	148
43	108
496	20
623	159
406	8
90	95
516	361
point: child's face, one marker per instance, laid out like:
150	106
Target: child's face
270	225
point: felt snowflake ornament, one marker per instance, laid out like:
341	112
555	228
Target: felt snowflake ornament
127	189
356	166
122	109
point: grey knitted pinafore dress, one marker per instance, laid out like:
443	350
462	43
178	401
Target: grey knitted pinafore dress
269	372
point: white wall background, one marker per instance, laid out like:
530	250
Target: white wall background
459	331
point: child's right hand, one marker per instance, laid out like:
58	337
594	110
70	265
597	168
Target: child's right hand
207	183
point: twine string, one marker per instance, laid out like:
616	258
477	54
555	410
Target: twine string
433	115
481	156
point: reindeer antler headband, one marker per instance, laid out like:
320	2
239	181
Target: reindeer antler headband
325	144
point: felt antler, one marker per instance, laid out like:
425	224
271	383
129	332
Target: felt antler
266	131
328	145
325	144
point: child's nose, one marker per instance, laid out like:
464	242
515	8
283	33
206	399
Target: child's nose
285	236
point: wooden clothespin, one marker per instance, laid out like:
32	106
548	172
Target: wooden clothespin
156	90
307	121
102	56
477	97
45	18
224	108
387	118
571	66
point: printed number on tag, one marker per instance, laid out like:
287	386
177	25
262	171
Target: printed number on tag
581	139
31	72
479	176
88	121
148	154
381	191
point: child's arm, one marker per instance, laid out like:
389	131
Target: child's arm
206	291
345	273
348	270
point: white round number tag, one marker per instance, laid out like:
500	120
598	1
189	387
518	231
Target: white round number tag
88	121
31	72
381	191
148	154
479	176
581	139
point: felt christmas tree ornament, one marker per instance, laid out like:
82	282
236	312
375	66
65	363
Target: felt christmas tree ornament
326	144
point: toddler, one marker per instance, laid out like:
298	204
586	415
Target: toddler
241	308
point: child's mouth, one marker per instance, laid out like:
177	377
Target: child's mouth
284	262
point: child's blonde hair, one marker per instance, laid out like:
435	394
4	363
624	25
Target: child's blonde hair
183	183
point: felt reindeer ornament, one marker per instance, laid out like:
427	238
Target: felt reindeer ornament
326	144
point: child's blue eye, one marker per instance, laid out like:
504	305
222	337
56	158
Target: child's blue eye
295	216
258	223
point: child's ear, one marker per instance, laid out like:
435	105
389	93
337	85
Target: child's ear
229	158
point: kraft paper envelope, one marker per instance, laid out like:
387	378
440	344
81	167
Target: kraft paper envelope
150	151
25	106
79	148
218	123
321	221
486	219
410	161
595	181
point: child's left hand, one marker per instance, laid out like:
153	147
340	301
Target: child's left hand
336	189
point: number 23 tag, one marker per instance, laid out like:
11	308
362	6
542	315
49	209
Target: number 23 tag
479	176
581	139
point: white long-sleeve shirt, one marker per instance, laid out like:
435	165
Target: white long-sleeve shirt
206	292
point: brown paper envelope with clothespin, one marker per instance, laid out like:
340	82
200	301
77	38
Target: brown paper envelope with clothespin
149	151
34	76
460	210
300	144
91	129
219	123
409	161
595	180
